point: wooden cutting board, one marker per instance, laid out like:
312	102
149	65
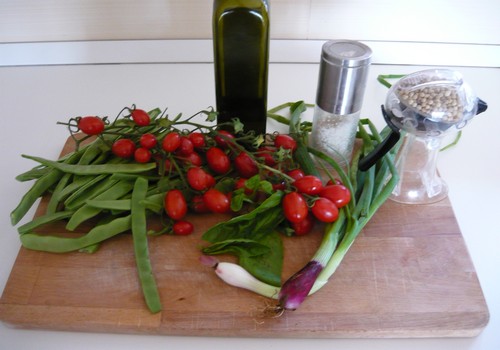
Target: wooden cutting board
408	274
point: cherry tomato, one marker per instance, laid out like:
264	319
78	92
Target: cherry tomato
309	184
140	117
285	141
241	183
296	174
142	155
197	139
175	204
186	147
210	180
182	228
266	153
303	227
91	125
217	160
193	159
198	204
169	166
198	179
294	207
171	142
223	137
334	182
338	194
325	210
216	201
279	186
123	148
148	141
245	165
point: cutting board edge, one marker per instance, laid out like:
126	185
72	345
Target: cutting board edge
10	316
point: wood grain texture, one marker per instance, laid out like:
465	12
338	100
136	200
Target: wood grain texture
407	275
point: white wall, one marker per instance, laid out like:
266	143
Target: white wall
449	21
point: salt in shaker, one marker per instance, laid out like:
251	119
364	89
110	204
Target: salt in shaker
341	85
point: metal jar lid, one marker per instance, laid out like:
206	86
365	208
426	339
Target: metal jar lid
342	76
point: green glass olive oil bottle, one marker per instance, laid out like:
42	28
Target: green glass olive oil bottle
241	59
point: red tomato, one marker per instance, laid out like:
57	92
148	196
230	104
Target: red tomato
175	204
303	227
296	174
285	141
142	155
169	167
295	207
245	165
216	201
148	141
266	153
218	161
182	228
338	194
91	125
186	147
123	148
198	179
309	184
241	183
140	117
279	186
198	204
334	182
325	210
193	159
171	142
197	139
223	137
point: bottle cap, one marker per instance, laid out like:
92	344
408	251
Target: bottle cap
342	76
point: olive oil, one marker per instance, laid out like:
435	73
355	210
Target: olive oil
241	57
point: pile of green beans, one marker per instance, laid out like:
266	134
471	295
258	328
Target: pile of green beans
91	186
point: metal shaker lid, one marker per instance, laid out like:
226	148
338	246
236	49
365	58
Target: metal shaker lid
342	77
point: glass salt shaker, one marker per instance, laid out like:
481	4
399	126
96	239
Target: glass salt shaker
341	85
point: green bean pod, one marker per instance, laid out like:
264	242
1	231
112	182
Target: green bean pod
86	212
55	244
141	250
39	188
95	169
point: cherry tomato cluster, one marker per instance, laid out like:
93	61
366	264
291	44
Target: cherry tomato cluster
313	201
214	165
208	165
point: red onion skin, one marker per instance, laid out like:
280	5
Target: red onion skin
296	288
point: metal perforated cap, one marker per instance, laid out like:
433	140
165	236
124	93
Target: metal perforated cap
347	53
343	72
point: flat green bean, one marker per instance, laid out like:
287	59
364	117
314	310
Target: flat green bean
87	212
54	198
116	204
141	250
33	174
87	190
56	244
43	220
153	203
95	169
39	188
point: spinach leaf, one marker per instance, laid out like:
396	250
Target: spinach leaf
259	221
253	239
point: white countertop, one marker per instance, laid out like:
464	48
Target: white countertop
34	98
